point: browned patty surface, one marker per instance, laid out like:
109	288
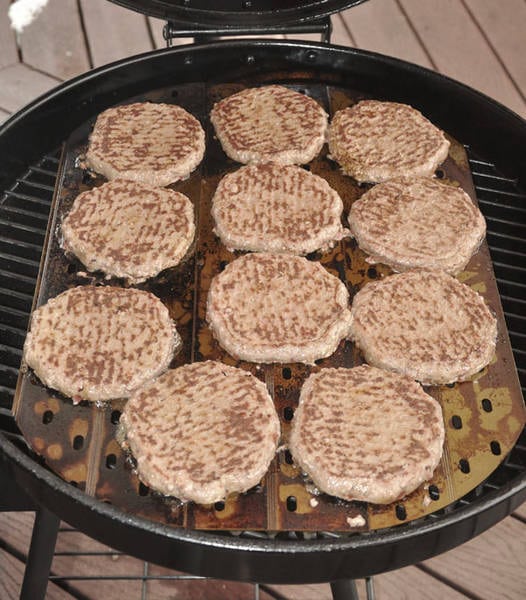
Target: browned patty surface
98	343
127	229
425	324
275	308
277	208
153	143
417	223
202	431
270	124
376	141
366	434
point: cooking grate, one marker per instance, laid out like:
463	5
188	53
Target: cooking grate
24	213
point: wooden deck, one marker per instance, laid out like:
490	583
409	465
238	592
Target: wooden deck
479	42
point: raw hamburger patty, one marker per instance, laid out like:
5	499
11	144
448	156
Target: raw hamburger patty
276	208
127	229
366	434
424	324
215	431
376	141
98	343
417	222
274	308
270	124
156	144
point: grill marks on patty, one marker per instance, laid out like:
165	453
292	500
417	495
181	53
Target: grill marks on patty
98	343
202	431
127	229
375	141
276	208
297	312
366	434
425	324
270	124
156	144
417	223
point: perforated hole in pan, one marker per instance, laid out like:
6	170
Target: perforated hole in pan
483	418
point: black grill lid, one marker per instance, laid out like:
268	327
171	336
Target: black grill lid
203	13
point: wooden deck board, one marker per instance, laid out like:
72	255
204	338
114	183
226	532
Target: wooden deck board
156	27
340	31
411	583
464	568
197	588
11	575
8	47
381	26
521	511
114	32
458	49
20	84
54	43
504	30
492	565
4	114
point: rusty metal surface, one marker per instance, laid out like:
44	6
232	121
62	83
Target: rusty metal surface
483	417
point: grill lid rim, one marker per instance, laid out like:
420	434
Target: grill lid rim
232	13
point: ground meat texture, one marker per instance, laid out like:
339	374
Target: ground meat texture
366	434
202	431
98	343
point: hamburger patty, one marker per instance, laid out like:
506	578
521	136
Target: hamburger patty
99	343
366	434
276	208
376	141
156	144
417	223
425	324
274	308
127	229
215	431
270	124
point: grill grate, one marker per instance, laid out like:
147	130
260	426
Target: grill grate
503	204
24	212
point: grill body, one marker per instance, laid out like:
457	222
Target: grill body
494	137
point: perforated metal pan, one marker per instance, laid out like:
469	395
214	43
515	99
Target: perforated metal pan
483	417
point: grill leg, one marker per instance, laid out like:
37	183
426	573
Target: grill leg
344	589
43	540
